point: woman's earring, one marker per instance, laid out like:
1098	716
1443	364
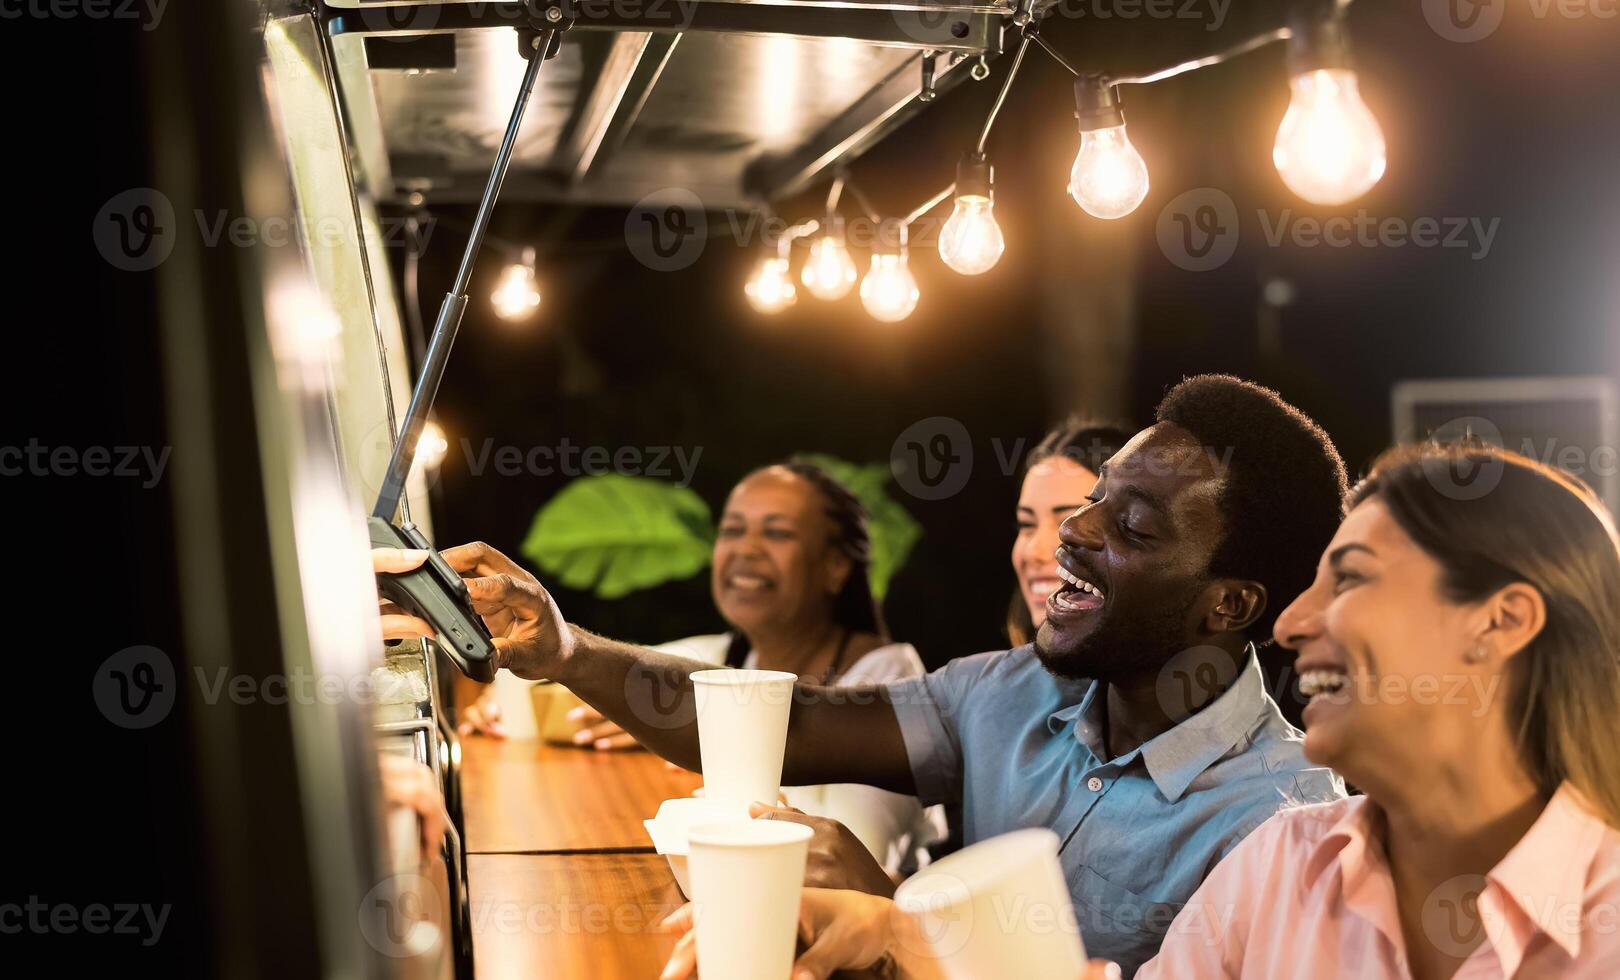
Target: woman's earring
1477	655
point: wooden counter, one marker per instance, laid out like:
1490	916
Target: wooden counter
532	798
570	915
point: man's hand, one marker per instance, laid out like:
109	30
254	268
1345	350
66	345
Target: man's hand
408	783
837	857
397	624
532	639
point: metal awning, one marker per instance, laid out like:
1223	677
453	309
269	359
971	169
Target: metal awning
738	101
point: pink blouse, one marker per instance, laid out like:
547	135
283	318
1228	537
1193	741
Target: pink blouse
1309	894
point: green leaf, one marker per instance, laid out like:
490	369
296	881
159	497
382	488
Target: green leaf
614	534
894	530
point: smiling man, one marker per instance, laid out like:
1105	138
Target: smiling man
1137	726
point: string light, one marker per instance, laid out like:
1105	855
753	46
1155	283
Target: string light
1109	178
971	241
829	273
889	291
517	294
431	445
770	289
1330	150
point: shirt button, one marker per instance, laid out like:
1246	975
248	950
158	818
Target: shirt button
1094	784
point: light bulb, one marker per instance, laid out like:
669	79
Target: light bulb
889	291
971	240
1109	179
1329	148
770	289
431	445
829	272
516	296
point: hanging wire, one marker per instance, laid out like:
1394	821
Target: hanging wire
990	120
927	206
1237	50
1054	53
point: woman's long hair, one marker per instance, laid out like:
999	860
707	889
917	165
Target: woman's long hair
1491	518
855	608
1081	440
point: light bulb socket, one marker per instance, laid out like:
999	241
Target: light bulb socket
975	177
1097	103
833	226
1318	40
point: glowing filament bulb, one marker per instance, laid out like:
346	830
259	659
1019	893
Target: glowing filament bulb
431	445
971	241
889	291
770	289
829	272
1109	179
517	295
1329	147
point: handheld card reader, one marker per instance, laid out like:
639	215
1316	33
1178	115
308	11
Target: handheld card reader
434	591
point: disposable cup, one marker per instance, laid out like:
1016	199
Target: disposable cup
999	908
746	876
674	820
742	718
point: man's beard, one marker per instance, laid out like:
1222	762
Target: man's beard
1118	646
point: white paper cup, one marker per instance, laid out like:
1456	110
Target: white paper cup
669	829
746	876
999	908
742	718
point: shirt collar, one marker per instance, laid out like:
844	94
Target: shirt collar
1543	877
1175	757
1545	873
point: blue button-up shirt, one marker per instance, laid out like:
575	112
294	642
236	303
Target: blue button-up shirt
1018	748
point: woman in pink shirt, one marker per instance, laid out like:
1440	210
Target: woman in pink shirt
1461	649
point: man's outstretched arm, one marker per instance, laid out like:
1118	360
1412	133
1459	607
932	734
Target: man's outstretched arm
835	735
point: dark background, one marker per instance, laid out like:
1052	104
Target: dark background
1520	128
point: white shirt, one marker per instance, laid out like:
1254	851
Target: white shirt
893	827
